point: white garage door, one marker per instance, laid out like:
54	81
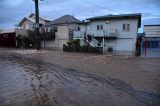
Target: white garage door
125	45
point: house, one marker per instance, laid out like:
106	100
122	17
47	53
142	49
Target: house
150	45
28	23
60	31
7	38
111	32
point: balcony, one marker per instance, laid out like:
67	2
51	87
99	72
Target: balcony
112	33
78	34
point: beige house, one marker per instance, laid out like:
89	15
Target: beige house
28	23
63	29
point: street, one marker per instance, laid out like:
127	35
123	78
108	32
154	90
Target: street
31	81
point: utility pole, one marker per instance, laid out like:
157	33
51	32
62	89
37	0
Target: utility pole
37	25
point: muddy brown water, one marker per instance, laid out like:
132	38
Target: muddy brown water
26	82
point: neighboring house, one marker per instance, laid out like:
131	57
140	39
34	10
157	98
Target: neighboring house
150	45
119	32
62	29
28	23
8	37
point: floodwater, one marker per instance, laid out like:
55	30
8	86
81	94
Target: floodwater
27	82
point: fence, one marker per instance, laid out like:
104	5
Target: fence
83	49
150	47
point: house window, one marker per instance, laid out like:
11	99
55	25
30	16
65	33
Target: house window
101	27
30	26
126	27
46	29
55	29
97	27
78	28
5	35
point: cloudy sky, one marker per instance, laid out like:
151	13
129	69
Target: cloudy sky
12	11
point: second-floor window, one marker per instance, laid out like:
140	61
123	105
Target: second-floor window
79	29
126	27
30	26
99	27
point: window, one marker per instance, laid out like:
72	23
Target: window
55	29
101	27
46	29
30	26
5	35
126	27
78	28
97	27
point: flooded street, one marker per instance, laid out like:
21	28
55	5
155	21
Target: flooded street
28	82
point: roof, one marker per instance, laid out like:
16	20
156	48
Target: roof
116	16
120	16
82	22
30	19
8	30
66	19
43	18
153	25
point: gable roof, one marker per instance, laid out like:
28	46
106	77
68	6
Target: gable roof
120	16
8	30
33	15
66	19
32	19
29	19
116	16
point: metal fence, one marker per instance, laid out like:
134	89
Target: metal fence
150	47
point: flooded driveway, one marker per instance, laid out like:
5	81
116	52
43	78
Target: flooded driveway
27	82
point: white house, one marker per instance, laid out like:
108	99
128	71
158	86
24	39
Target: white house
62	29
118	31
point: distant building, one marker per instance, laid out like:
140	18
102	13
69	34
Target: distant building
60	31
152	30
150	45
119	32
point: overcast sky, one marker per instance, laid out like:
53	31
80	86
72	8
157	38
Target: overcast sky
12	11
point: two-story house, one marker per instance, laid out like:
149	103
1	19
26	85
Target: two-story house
117	32
62	29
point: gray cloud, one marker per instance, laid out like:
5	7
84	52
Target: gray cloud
12	11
